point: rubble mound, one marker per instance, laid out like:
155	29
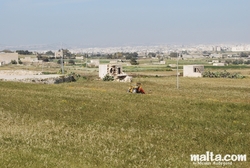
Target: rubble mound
32	77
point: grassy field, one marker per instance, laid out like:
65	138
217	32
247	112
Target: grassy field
92	123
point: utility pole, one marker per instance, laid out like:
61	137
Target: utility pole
62	63
177	73
87	61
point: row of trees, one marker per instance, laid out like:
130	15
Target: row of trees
244	54
237	61
24	52
70	62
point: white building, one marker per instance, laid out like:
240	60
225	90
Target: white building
114	70
219	64
93	63
79	58
240	48
59	54
193	70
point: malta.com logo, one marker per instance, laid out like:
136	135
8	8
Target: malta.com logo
209	158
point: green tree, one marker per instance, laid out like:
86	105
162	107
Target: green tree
173	54
72	62
133	61
59	61
244	54
49	53
24	52
67	53
151	54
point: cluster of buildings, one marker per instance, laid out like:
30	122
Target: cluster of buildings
7	58
165	49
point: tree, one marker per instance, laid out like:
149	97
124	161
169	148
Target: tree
128	57
247	62
45	59
238	61
109	56
49	53
59	61
22	52
71	62
243	54
133	61
173	54
67	53
41	57
151	54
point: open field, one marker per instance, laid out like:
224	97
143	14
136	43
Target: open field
92	123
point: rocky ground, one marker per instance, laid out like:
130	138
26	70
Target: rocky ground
30	77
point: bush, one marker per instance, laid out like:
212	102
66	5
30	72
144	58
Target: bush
108	78
133	61
59	61
247	62
224	74
71	62
169	69
74	76
13	62
19	61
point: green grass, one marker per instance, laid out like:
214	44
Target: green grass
228	67
143	68
93	123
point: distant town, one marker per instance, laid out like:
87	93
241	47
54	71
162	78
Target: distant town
164	49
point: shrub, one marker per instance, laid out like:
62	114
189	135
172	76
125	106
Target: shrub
13	62
71	62
75	76
224	74
19	61
108	78
133	61
169	69
59	61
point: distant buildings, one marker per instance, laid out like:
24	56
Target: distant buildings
240	48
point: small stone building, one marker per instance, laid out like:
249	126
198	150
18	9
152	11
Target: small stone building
59	54
193	70
6	58
114	70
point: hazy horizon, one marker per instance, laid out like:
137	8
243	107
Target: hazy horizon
115	23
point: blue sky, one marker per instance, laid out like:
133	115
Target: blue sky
124	22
